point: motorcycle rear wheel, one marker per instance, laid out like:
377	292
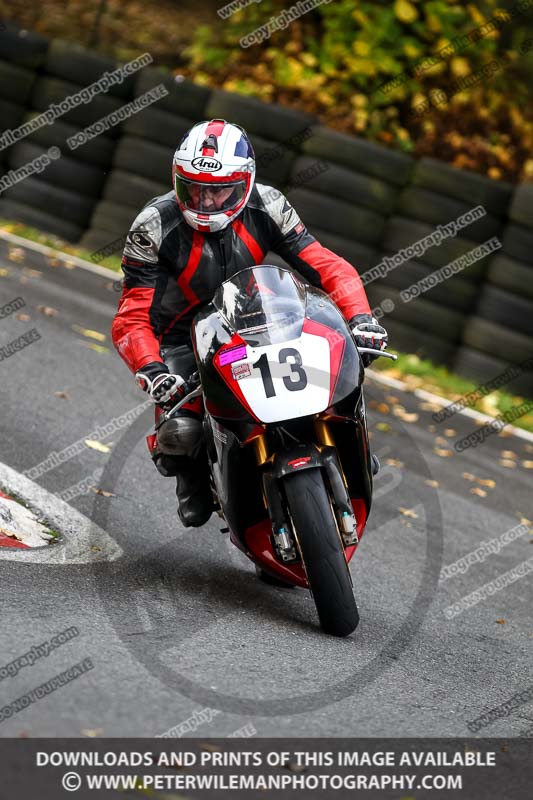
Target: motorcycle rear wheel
321	550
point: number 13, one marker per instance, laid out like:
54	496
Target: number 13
294	382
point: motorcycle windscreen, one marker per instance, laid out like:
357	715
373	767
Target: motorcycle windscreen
284	371
264	305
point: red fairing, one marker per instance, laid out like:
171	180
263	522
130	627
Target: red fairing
258	539
339	279
337	345
132	331
224	370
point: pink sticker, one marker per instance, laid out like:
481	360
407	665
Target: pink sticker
232	354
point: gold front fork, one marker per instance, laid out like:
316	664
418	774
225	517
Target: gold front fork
323	433
261	454
261	449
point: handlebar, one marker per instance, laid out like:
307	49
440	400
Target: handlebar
185	399
374	352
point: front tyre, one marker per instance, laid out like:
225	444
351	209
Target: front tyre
321	551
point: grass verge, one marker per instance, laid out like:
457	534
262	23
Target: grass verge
49	240
420	373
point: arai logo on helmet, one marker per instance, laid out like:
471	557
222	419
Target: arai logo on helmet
206	164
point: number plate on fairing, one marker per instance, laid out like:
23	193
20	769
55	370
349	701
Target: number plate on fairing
286	380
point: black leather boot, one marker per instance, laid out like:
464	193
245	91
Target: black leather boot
193	490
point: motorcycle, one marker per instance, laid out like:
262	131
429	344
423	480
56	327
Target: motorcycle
286	434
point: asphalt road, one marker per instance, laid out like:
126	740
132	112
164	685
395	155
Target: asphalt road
181	623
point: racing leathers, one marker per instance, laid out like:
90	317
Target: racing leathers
171	270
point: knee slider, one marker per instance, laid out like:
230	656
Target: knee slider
180	436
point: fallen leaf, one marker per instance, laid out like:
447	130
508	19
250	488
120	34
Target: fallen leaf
90	334
383	408
16	254
440	440
486	482
432	428
433	484
528	448
506	462
482	481
408	512
95	445
406	417
4	272
53	262
500	621
96	548
31	273
508	454
489	404
62	395
450	432
103	492
383	426
391	399
442	453
23	317
412	381
527	464
48	311
99	348
393	462
429	406
69	264
478	491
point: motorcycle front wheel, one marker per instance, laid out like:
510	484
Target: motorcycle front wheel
322	553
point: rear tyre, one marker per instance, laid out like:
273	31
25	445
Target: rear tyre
321	551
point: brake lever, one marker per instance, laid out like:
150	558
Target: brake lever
374	352
185	399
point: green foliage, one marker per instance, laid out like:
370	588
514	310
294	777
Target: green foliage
335	60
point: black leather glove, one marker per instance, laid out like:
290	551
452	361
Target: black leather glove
368	333
164	388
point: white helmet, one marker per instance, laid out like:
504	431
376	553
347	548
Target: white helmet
213	174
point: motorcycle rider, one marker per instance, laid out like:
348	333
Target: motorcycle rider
180	248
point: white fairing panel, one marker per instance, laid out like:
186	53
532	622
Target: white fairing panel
286	380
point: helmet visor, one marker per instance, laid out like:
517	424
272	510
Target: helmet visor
209	198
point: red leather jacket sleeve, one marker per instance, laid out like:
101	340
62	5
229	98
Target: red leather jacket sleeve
132	329
337	277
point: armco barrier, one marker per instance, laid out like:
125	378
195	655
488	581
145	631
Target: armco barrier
362	200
